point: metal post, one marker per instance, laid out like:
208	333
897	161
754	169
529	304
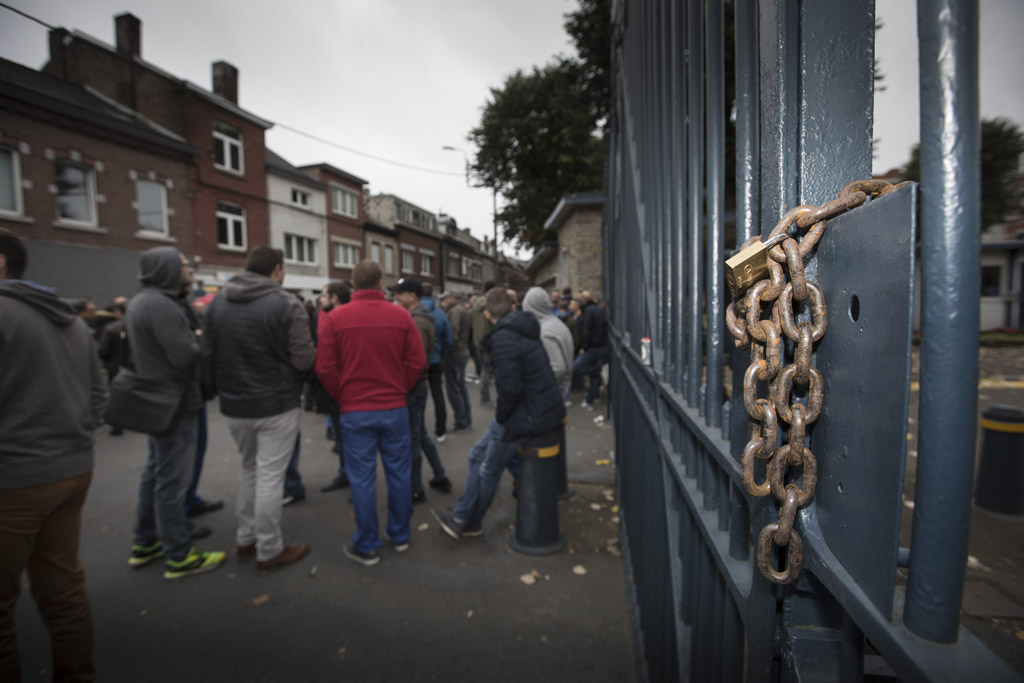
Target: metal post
695	107
950	243
714	293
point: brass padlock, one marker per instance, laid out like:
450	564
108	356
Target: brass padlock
749	265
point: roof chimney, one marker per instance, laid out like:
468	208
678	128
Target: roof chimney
128	28
225	81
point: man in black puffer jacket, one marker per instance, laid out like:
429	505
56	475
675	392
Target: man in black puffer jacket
529	404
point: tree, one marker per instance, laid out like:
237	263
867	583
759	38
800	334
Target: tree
1002	143
542	134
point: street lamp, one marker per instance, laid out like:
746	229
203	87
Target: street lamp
494	194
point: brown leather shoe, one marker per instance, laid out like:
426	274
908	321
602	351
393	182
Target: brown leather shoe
290	554
246	553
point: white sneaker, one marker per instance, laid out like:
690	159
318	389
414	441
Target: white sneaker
441	439
568	404
587	406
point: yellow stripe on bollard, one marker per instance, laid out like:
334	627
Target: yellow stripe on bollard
549	452
1007	427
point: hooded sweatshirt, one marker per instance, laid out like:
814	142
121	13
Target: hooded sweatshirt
424	320
442	330
261	347
52	392
555	336
163	344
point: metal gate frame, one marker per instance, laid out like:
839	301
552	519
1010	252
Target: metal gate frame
803	119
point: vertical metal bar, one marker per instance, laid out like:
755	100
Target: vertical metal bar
748	169
724	511
695	107
714	291
779	79
732	642
665	181
950	245
679	185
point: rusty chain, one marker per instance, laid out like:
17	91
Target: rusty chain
744	319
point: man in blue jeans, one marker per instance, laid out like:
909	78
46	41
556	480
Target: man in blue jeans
369	358
456	360
529	405
594	334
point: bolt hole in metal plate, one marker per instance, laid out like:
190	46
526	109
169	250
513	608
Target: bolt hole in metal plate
865	266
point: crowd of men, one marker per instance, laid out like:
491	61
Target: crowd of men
365	362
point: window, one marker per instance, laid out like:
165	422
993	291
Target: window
375	251
345	255
230	226
426	264
76	198
152	202
991	277
408	261
299	249
300	198
10	181
227	148
344	201
453	264
389	258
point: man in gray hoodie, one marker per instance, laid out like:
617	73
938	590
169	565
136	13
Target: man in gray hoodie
52	396
258	338
555	336
165	348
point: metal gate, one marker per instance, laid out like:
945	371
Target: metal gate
802	117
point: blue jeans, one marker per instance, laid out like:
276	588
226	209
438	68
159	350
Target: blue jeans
293	485
165	478
420	440
458	395
590	363
191	499
365	432
487	461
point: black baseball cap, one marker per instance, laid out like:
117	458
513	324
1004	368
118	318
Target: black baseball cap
407	284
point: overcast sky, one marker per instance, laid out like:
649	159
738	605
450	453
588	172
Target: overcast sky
400	79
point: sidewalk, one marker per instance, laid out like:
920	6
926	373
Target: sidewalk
445	610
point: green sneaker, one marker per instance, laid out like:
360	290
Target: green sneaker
196	562
144	554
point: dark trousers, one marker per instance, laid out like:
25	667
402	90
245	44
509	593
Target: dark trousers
40	529
455	386
435	377
191	498
421	443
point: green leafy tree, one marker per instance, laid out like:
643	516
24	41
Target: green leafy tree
1002	143
542	134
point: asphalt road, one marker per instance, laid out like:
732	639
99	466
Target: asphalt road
444	610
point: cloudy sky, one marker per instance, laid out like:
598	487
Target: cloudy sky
400	79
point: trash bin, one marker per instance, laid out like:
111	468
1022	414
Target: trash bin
1000	485
537	531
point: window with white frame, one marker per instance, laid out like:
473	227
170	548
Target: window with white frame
344	201
299	249
151	199
231	226
389	259
300	198
10	181
375	252
408	260
426	263
453	264
227	148
345	255
76	193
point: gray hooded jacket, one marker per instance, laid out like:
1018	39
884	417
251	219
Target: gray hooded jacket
162	342
52	393
555	336
259	340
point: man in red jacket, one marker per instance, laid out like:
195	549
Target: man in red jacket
370	357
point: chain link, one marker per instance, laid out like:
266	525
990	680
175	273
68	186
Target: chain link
744	320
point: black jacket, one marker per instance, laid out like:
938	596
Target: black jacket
594	327
529	403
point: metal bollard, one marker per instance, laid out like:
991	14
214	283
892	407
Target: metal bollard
537	531
1000	485
564	490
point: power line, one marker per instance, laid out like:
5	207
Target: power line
26	15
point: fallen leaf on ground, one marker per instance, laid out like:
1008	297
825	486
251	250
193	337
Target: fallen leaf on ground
605	461
579	570
615	519
1020	634
469	614
423	527
615	508
342	650
595	506
261	600
144	612
975	563
543	639
909	504
528	579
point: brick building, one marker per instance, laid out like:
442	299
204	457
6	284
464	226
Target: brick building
419	241
229	208
88	184
462	256
577	259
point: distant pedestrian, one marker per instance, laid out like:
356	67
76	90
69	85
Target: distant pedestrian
529	404
435	372
407	295
554	335
481	326
456	360
52	396
594	341
554	296
370	357
165	348
258	341
333	294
